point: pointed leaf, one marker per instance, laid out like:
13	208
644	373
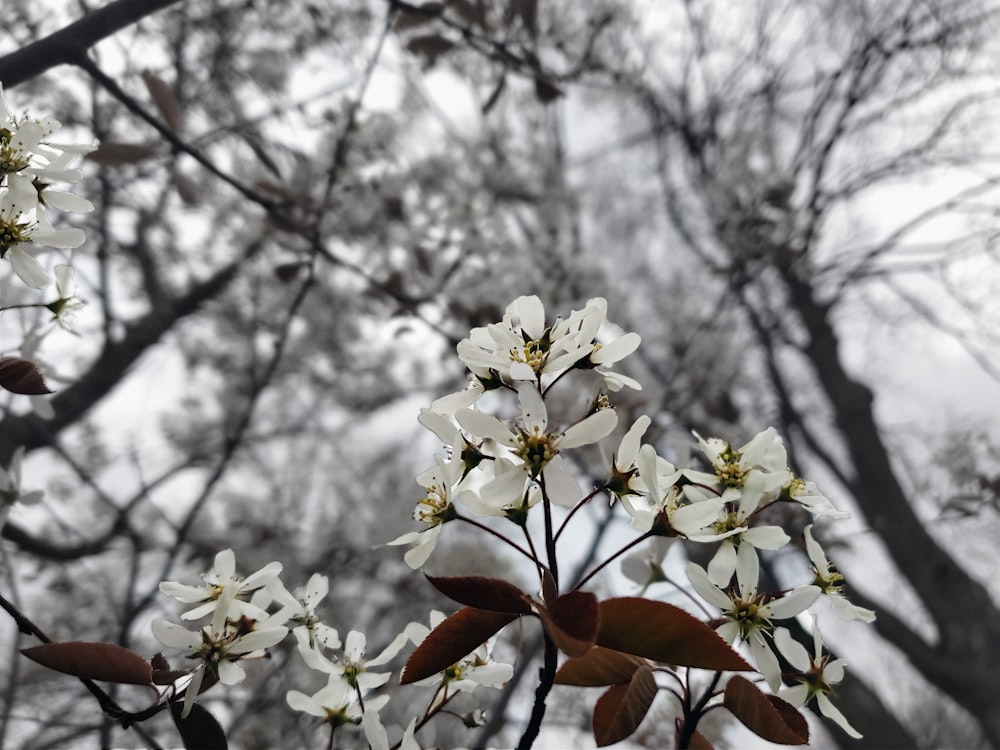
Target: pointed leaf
114	154
698	741
767	716
571	621
492	594
458	636
200	730
22	376
164	99
618	713
664	633
94	661
598	667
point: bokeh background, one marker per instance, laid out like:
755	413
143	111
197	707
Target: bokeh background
303	206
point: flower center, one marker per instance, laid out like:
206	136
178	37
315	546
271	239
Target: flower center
434	508
728	468
535	448
12	233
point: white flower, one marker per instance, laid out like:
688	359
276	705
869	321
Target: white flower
624	472
807	495
10	486
224	593
664	509
749	612
646	567
351	667
535	447
435	509
299	612
468	673
831	582
584	326
219	648
337	703
378	738
18	232
521	347
816	678
67	305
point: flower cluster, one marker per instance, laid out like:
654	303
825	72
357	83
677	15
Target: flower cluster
248	615
30	162
503	467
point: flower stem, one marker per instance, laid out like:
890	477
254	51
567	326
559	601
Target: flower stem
546	678
501	537
583	501
619	553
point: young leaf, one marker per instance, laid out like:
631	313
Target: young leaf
492	594
164	99
664	633
458	636
94	661
598	667
200	730
767	716
22	376
622	708
571	621
114	154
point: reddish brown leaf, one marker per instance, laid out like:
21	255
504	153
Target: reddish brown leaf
458	636
618	713
598	667
200	730
664	633
95	661
492	594
164	99
699	741
113	154
22	376
571	621
767	716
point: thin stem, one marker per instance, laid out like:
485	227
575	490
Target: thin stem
583	501
617	554
693	714
550	540
501	537
546	678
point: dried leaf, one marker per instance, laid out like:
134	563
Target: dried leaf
200	730
421	14
116	154
618	713
164	99
429	47
664	633
767	716
456	637
22	376
546	91
106	662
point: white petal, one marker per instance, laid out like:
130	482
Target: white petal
375	733
705	588
794	602
258	639
747	569
440	425
766	537
231	673
723	564
628	450
767	662
830	711
560	486
389	651
595	427
616	350
30	270
302	702
792	650
67	202
484	426
531	315
174	635
533	411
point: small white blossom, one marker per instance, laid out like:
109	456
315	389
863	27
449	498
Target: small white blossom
337	703
831	582
750	613
299	613
817	676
